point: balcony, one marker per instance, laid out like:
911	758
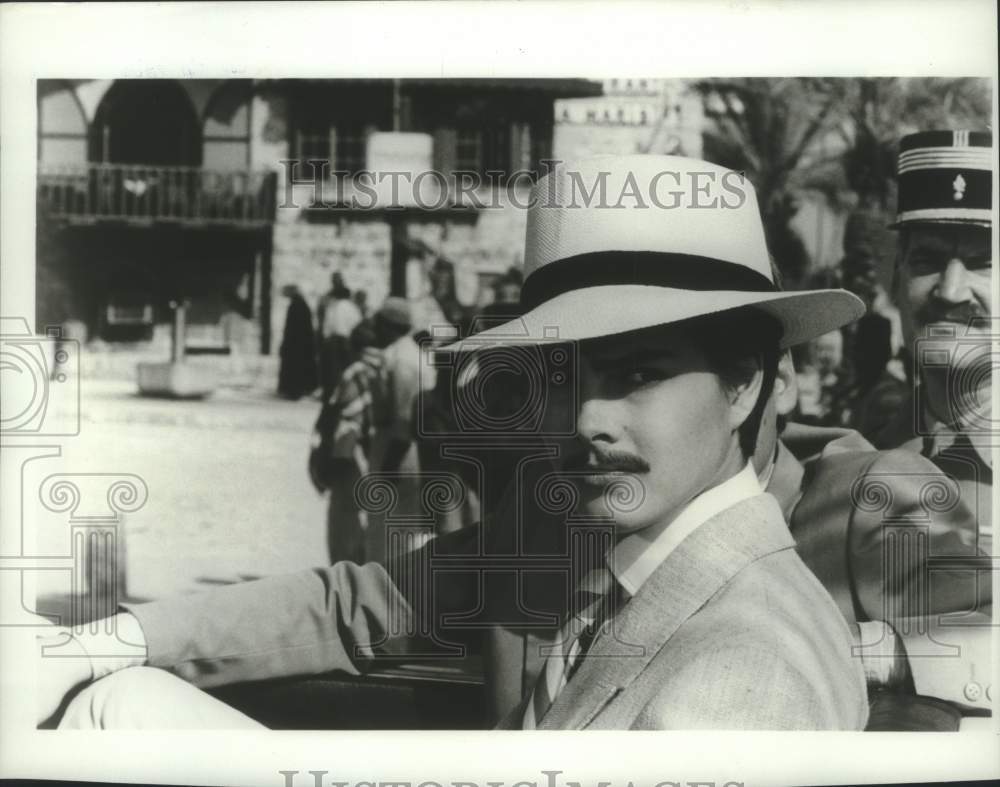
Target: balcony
141	194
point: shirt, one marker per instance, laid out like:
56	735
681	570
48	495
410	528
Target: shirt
338	317
356	405
634	559
404	377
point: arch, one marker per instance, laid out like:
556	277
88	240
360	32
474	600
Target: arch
146	121
62	124
60	110
226	126
227	113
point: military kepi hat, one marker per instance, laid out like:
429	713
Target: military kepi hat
945	177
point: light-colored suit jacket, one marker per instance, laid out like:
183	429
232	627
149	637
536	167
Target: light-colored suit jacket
731	631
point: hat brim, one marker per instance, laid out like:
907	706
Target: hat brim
953	222
593	312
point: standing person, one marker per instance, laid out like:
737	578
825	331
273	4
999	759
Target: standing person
394	450
297	374
877	394
368	421
341	438
691	609
827	355
507	297
336	316
441	277
360	299
944	292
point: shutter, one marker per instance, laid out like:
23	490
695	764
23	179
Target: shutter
332	149
520	147
445	151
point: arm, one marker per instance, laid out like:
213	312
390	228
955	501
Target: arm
339	618
949	662
887	570
964	677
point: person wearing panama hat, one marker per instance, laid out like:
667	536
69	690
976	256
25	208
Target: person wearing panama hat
656	268
687	604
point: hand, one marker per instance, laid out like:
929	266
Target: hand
63	665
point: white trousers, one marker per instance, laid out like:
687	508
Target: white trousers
147	698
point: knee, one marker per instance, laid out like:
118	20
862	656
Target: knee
118	701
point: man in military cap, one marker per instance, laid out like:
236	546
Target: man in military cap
944	293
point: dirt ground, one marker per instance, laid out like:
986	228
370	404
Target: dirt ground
228	494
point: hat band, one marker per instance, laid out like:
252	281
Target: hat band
658	269
945	158
926	189
956	215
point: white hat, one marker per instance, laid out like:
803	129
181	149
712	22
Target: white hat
619	243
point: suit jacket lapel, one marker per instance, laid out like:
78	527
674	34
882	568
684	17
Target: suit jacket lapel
702	563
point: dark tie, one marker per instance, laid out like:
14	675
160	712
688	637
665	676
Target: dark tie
593	604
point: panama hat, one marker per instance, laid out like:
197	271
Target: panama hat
619	243
945	177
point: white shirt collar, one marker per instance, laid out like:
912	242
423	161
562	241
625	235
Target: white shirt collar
634	559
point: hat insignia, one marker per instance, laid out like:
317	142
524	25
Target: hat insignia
959	186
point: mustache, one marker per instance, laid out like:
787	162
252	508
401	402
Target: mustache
937	310
607	461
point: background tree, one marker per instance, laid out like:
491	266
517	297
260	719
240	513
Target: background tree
879	111
770	128
836	137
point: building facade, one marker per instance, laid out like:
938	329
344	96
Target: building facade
218	193
662	116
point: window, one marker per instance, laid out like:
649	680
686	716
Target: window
468	150
351	150
313	145
348	145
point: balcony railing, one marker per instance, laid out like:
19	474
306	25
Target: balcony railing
137	193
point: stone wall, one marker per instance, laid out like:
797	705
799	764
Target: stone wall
307	255
358	245
665	116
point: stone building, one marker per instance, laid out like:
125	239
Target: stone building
217	193
631	116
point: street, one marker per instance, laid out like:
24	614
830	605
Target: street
228	492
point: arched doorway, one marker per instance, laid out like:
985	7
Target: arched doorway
146	121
